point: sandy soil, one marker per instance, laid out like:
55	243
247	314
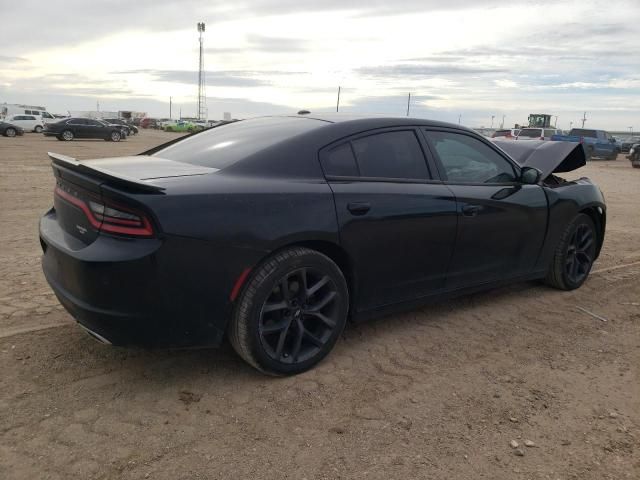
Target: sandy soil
436	393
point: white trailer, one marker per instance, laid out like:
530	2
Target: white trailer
8	109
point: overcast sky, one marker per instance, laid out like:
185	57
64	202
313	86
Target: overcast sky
465	58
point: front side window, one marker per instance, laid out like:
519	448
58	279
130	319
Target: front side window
391	155
468	160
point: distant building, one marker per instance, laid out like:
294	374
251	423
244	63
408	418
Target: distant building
226	116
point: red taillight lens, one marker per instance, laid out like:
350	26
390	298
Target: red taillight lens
109	217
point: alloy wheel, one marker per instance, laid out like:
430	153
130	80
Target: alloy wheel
580	253
299	316
67	135
10	132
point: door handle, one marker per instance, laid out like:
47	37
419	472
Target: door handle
471	210
359	208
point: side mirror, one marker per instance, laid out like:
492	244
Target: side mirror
530	176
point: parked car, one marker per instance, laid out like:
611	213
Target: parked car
274	231
7	110
509	134
10	130
29	123
537	133
634	155
128	128
627	143
597	143
149	123
182	126
72	128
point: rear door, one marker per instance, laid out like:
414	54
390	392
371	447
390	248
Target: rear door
501	222
78	126
396	222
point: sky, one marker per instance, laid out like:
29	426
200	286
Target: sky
462	61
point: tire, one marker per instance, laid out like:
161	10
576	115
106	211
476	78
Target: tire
67	135
115	136
574	255
38	129
590	152
10	132
297	331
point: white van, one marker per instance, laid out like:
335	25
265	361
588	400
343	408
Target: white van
8	109
29	123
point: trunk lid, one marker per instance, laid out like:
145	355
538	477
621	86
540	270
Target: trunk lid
79	202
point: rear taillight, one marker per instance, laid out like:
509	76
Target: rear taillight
109	217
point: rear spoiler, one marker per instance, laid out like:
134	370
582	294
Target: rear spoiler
121	180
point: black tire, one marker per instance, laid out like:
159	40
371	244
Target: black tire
38	129
115	136
298	330
574	255
10	132
67	135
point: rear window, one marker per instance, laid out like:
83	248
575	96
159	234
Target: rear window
530	132
501	133
581	132
224	145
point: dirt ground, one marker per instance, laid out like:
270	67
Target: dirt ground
437	393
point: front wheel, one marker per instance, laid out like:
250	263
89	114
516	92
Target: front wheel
290	313
67	135
574	254
38	129
115	136
10	132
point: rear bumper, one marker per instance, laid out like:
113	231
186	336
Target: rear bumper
145	292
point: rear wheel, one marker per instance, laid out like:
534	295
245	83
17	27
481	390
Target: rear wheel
290	313
574	255
38	129
10	132
67	135
115	136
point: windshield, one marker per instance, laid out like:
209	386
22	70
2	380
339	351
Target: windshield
222	146
530	132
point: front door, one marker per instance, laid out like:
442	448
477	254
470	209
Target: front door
501	222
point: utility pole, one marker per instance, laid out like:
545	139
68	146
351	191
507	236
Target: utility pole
170	117
459	118
502	124
631	130
584	119
202	96
556	122
338	104
492	117
408	103
570	125
98	105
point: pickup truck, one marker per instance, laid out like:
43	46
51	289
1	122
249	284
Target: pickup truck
597	143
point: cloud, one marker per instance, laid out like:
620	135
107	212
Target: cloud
407	70
10	60
213	78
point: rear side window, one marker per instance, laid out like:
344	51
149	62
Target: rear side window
582	132
340	162
468	160
391	155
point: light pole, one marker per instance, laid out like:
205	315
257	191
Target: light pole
502	124
631	131
408	103
459	118
492	117
338	103
556	122
570	125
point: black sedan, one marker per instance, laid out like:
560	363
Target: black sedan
275	231
128	128
10	130
71	128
